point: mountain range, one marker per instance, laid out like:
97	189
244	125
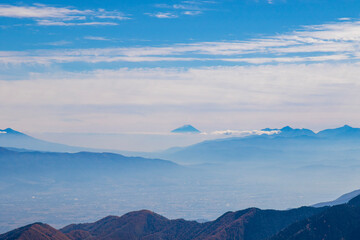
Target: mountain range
288	145
337	222
224	149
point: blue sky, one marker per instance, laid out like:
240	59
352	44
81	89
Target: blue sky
151	66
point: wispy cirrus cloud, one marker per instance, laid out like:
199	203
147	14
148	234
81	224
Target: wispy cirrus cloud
192	13
344	19
60	23
41	11
242	132
45	15
162	15
190	8
97	38
338	41
58	43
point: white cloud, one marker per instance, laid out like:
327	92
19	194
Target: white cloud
190	8
96	38
192	13
344	19
243	132
40	11
58	43
163	15
59	23
102	13
60	16
180	6
334	57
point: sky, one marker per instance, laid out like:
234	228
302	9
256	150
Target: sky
141	67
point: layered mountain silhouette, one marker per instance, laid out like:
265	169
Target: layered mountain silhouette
119	183
233	148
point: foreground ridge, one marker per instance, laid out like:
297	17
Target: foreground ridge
337	222
249	224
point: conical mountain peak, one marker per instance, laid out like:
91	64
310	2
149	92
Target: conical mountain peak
186	129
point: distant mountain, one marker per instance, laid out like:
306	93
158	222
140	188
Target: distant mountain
94	179
186	129
249	224
10	131
338	222
14	139
341	200
297	145
342	132
83	165
221	148
291	132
